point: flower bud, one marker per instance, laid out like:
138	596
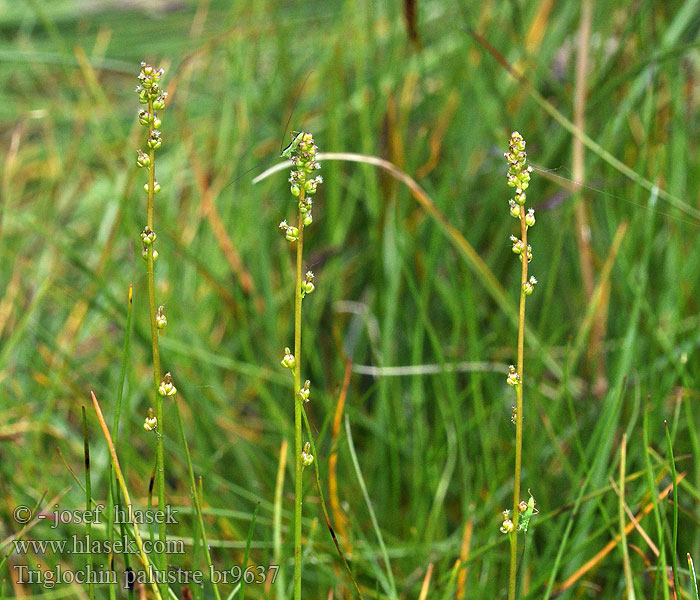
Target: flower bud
513	378
529	286
307	458
151	421
161	319
530	217
514	209
288	360
507	526
142	159
304	393
144	254
148	236
167	387
159	102
307	286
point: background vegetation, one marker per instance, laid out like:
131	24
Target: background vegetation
394	288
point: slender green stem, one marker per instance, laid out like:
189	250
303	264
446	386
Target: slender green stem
195	497
298	408
512	584
157	376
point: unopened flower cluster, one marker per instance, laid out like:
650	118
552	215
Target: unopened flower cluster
519	178
302	185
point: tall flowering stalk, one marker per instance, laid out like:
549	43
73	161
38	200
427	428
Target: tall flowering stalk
519	178
153	98
302	152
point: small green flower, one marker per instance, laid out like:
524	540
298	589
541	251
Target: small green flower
144	253
307	286
159	102
167	387
161	319
305	392
148	236
518	245
514	209
142	159
151	421
154	140
156	187
507	526
530	217
529	286
288	360
307	458
513	378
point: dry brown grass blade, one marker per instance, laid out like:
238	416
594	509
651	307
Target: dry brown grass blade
426	583
338	515
142	556
612	543
538	27
437	135
277	517
463	557
633	520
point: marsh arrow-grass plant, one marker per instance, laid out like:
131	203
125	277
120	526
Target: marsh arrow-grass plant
519	178
303	187
153	98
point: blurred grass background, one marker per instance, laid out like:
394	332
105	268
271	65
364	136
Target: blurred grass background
393	290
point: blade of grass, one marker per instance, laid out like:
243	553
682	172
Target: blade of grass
662	568
612	543
674	546
88	501
621	513
249	539
691	567
325	508
368	502
113	498
591	144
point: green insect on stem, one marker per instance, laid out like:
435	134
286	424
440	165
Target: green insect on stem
527	511
289	150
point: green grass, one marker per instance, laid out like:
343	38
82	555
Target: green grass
431	453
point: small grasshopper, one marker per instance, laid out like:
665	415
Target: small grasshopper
527	511
289	150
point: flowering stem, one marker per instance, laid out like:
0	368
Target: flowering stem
302	152
519	178
150	271
298	467
518	417
151	96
